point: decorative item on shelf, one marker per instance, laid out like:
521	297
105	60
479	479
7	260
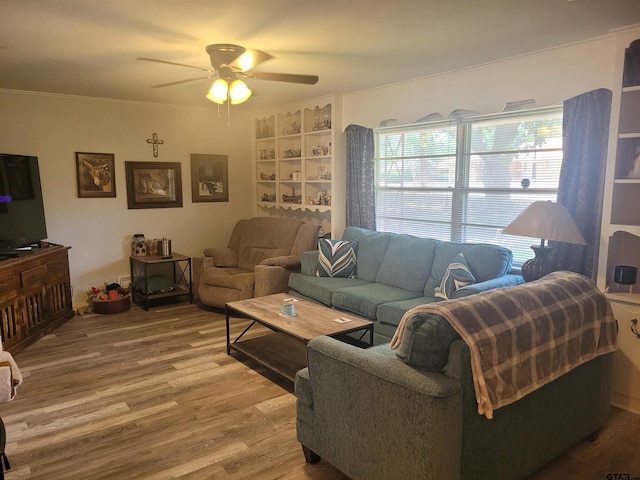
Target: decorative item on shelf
138	245
264	176
320	150
296	176
268	197
292	129
291	198
317	119
265	131
267	154
635	165
166	248
152	246
625	275
291	153
326	117
546	220
322	198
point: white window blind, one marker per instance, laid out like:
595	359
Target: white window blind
466	180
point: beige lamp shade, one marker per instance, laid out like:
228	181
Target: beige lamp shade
546	220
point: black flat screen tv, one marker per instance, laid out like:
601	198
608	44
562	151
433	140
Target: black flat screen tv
22	220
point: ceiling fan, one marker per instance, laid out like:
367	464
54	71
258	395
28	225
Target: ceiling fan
228	62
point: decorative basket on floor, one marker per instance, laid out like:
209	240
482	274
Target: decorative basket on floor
112	306
103	302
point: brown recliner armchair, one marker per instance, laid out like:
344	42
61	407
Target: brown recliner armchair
261	254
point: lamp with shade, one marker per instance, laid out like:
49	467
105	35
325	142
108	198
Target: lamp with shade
546	220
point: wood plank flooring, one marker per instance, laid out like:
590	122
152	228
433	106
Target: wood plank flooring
153	395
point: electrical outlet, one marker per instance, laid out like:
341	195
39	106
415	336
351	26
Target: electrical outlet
123	280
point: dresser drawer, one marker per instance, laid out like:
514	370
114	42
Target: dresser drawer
33	276
57	268
8	286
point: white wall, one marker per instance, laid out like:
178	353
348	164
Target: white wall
549	77
99	229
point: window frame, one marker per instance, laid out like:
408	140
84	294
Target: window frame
463	189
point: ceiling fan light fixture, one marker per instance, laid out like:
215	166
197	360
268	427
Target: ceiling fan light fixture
218	91
238	92
246	61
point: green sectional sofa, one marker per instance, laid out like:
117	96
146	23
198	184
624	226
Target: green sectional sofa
396	272
412	413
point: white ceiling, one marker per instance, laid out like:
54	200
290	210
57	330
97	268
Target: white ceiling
89	47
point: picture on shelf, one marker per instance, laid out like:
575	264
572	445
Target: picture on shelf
153	184
95	174
209	178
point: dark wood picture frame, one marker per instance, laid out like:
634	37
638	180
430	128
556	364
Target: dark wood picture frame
96	175
209	178
154	184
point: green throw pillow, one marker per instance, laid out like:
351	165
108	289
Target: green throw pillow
337	258
456	276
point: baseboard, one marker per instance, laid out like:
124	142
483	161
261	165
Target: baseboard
625	403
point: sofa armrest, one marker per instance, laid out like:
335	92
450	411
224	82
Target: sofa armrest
354	394
271	279
504	281
198	265
222	257
286	261
309	263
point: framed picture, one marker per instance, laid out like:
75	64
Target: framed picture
209	178
153	184
95	173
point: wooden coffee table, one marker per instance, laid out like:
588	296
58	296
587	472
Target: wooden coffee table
282	348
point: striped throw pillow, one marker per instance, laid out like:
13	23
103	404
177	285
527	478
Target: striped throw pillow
456	276
337	258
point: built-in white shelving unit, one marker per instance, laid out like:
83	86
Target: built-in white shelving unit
295	159
620	238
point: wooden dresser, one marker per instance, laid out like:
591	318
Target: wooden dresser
35	296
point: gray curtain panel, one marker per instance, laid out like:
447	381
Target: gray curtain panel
585	138
360	202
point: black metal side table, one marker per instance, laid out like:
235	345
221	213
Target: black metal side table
155	277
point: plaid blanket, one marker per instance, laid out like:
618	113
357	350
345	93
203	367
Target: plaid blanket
524	337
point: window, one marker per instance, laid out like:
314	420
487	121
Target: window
466	180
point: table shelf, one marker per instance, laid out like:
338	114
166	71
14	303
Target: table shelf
175	270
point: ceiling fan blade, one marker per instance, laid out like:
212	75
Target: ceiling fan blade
181	81
249	59
176	64
284	77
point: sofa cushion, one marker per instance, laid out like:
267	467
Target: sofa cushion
365	299
455	277
337	258
484	260
408	262
391	313
321	288
372	247
425	342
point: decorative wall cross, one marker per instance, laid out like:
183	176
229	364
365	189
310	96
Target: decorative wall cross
155	142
